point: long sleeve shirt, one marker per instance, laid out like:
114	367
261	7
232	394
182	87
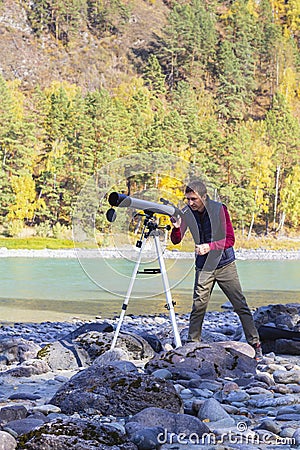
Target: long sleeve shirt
229	240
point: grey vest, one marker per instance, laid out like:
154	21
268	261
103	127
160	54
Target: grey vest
207	227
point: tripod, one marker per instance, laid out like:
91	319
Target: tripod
150	229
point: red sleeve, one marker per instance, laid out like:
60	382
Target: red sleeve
175	235
178	233
229	239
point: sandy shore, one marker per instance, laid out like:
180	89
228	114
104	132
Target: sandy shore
259	254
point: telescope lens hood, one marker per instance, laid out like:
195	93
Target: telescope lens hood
115	199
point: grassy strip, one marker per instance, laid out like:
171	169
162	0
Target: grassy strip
38	243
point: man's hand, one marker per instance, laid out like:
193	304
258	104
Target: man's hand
176	221
202	249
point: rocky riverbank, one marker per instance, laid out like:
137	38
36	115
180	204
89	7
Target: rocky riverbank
62	387
242	254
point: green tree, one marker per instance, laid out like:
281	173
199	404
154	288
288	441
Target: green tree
267	43
290	198
107	17
190	40
236	63
283	135
154	77
64	157
17	141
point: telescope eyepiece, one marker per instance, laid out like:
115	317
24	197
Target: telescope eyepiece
111	215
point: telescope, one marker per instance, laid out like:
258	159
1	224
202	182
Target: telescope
124	201
150	229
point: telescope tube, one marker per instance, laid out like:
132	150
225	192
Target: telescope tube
122	200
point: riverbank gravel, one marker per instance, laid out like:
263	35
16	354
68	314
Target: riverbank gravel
257	410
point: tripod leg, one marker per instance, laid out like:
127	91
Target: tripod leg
167	289
126	300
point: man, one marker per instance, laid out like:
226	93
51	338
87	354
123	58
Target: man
211	227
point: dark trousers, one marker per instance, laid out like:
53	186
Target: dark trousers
228	280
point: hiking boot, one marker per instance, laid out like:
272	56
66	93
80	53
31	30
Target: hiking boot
258	352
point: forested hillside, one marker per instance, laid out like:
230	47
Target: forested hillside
84	82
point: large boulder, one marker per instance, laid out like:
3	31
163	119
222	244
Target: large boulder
210	361
16	350
77	434
111	391
176	424
96	343
281	316
279	328
63	355
26	369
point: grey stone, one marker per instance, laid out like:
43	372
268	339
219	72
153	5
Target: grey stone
283	400
24	396
281	389
9	413
61	378
79	434
102	327
109	390
162	373
63	355
241	347
265	378
213	411
295	388
117	354
205	360
277	314
27	369
172	423
293	409
256	390
135	346
46	409
230	409
289	417
186	393
147	438
286	377
7	442
211	385
125	366
16	350
23	426
236	396
296	438
287	432
203	393
270	425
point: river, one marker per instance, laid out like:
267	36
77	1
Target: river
54	289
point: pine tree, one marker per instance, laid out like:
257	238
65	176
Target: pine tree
190	40
154	77
236	63
283	134
17	140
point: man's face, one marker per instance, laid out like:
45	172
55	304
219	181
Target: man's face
195	202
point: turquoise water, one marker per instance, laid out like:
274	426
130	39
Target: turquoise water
41	289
